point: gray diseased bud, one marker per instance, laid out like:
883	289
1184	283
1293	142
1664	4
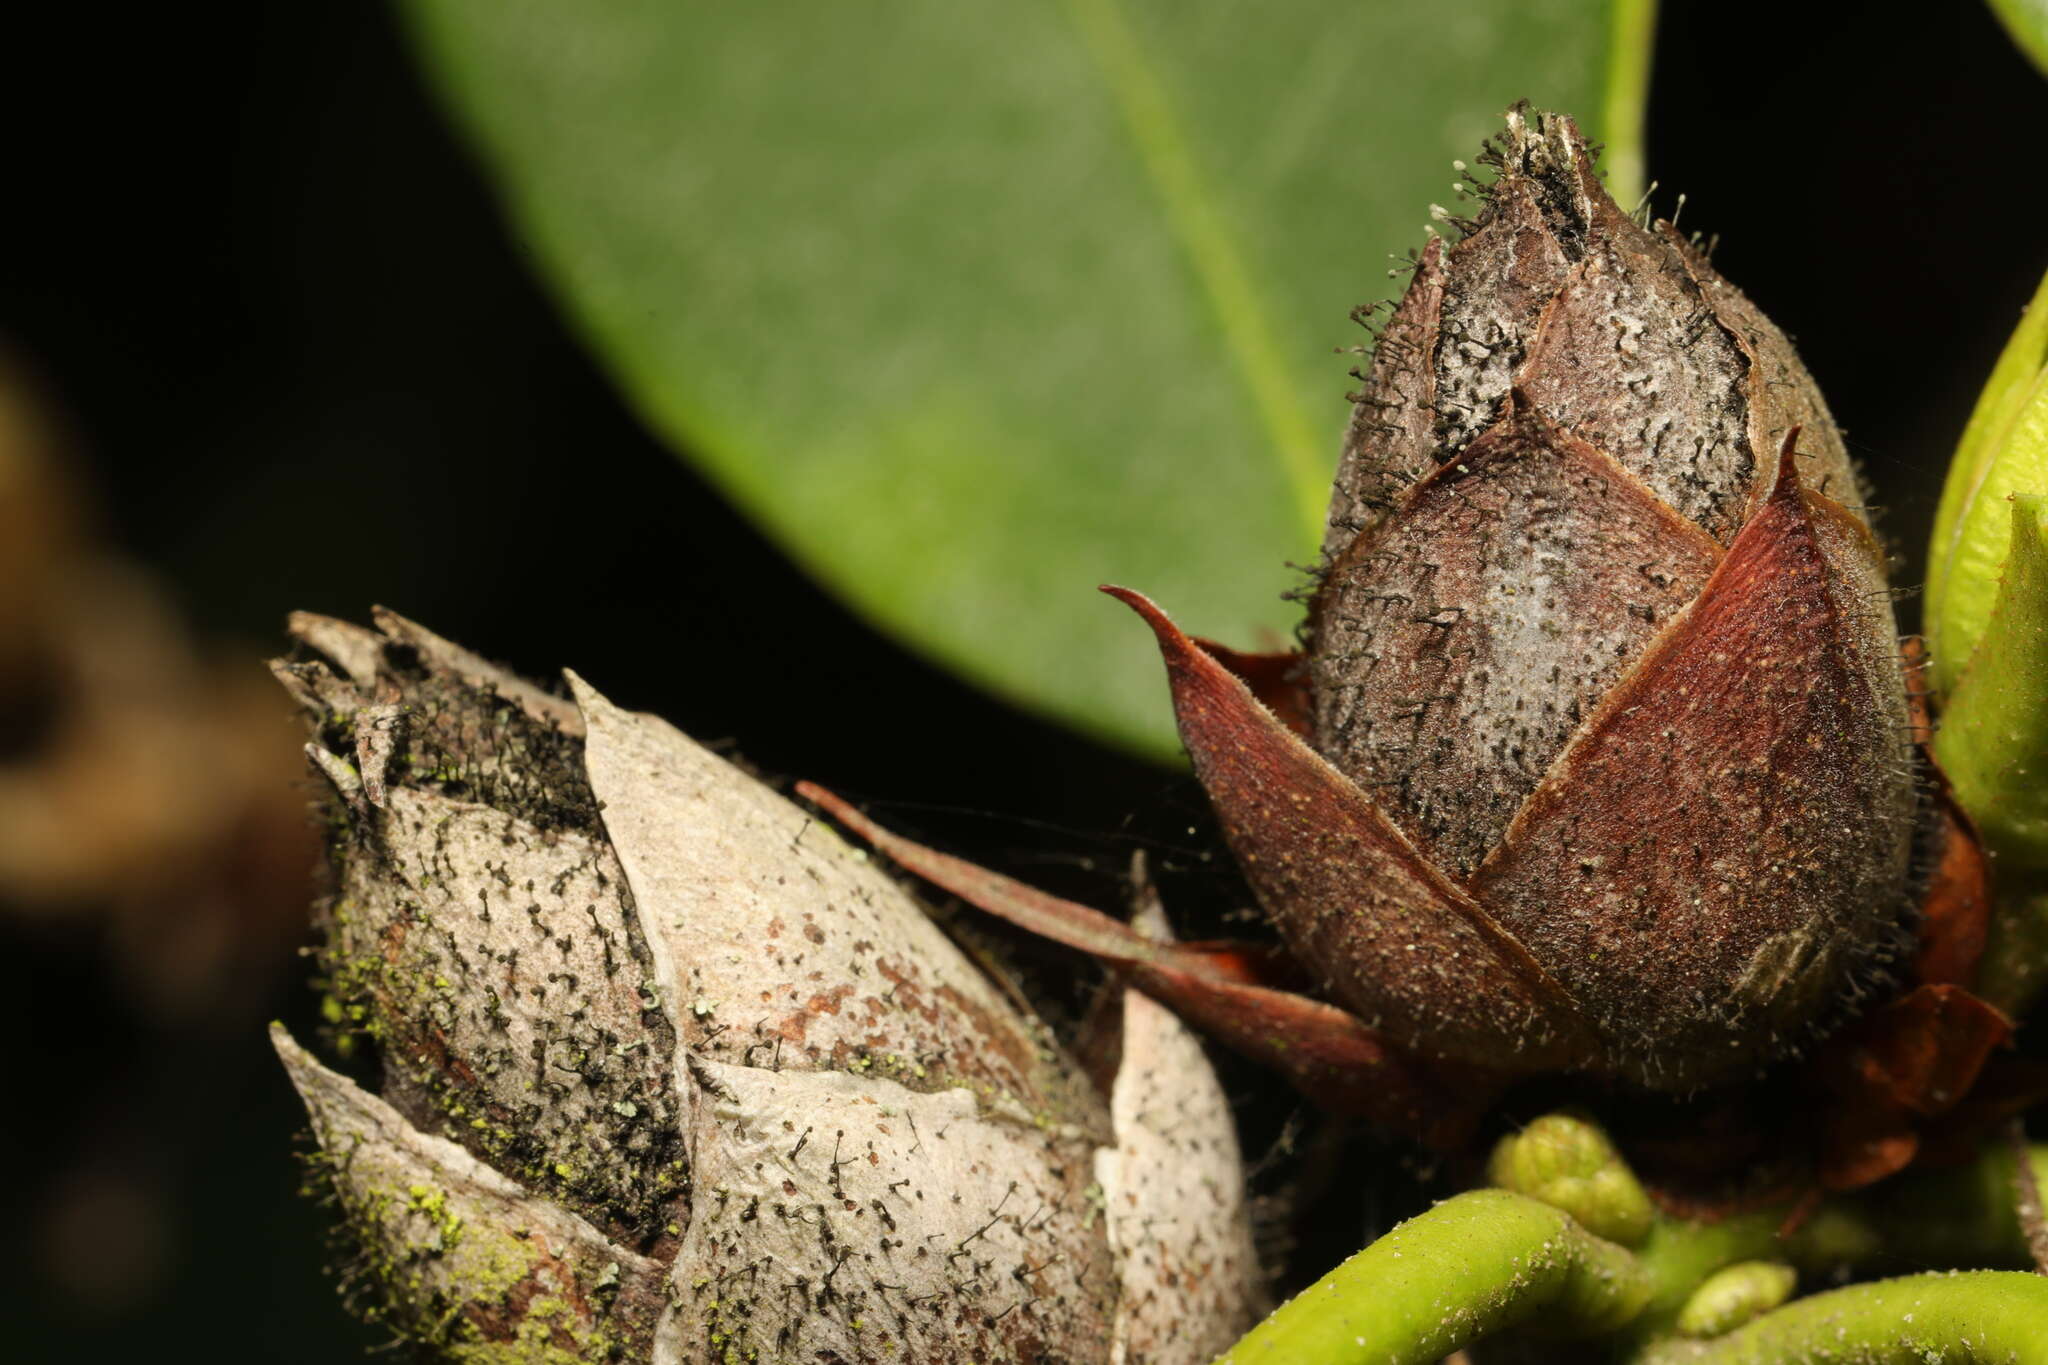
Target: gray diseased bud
671	1074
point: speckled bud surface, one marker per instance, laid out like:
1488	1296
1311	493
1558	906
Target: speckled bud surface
669	1073
1608	764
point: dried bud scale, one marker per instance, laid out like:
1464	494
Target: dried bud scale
673	1075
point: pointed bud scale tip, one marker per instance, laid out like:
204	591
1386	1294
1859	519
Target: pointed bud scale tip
1788	470
1308	840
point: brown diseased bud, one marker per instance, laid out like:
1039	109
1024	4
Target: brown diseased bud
1604	657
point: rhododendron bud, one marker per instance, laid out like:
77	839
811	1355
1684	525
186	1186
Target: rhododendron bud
671	1074
1608	763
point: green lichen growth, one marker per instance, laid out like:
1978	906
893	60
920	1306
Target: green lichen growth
587	1115
443	1274
592	1124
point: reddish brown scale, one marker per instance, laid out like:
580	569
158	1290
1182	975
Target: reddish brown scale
1730	831
1227	989
1626	684
1909	1062
1512	590
1353	896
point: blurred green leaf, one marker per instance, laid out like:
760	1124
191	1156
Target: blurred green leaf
2027	22
2004	451
2014	968
976	306
1993	741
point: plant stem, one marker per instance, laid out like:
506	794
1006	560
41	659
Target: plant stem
1632	38
1985	1315
1959	1215
1490	1259
1679	1255
1484	1260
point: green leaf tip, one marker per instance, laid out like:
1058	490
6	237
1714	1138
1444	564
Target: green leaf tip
1567	1162
2003	451
1993	740
2027	22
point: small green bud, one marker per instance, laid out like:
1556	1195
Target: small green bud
1993	742
1568	1163
1733	1296
2004	451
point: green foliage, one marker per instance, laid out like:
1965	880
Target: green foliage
1987	624
973	307
2027	22
2004	451
1994	733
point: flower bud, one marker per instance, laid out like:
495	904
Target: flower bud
1608	763
1568	1163
1735	1295
669	1073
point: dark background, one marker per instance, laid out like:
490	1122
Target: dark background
306	367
